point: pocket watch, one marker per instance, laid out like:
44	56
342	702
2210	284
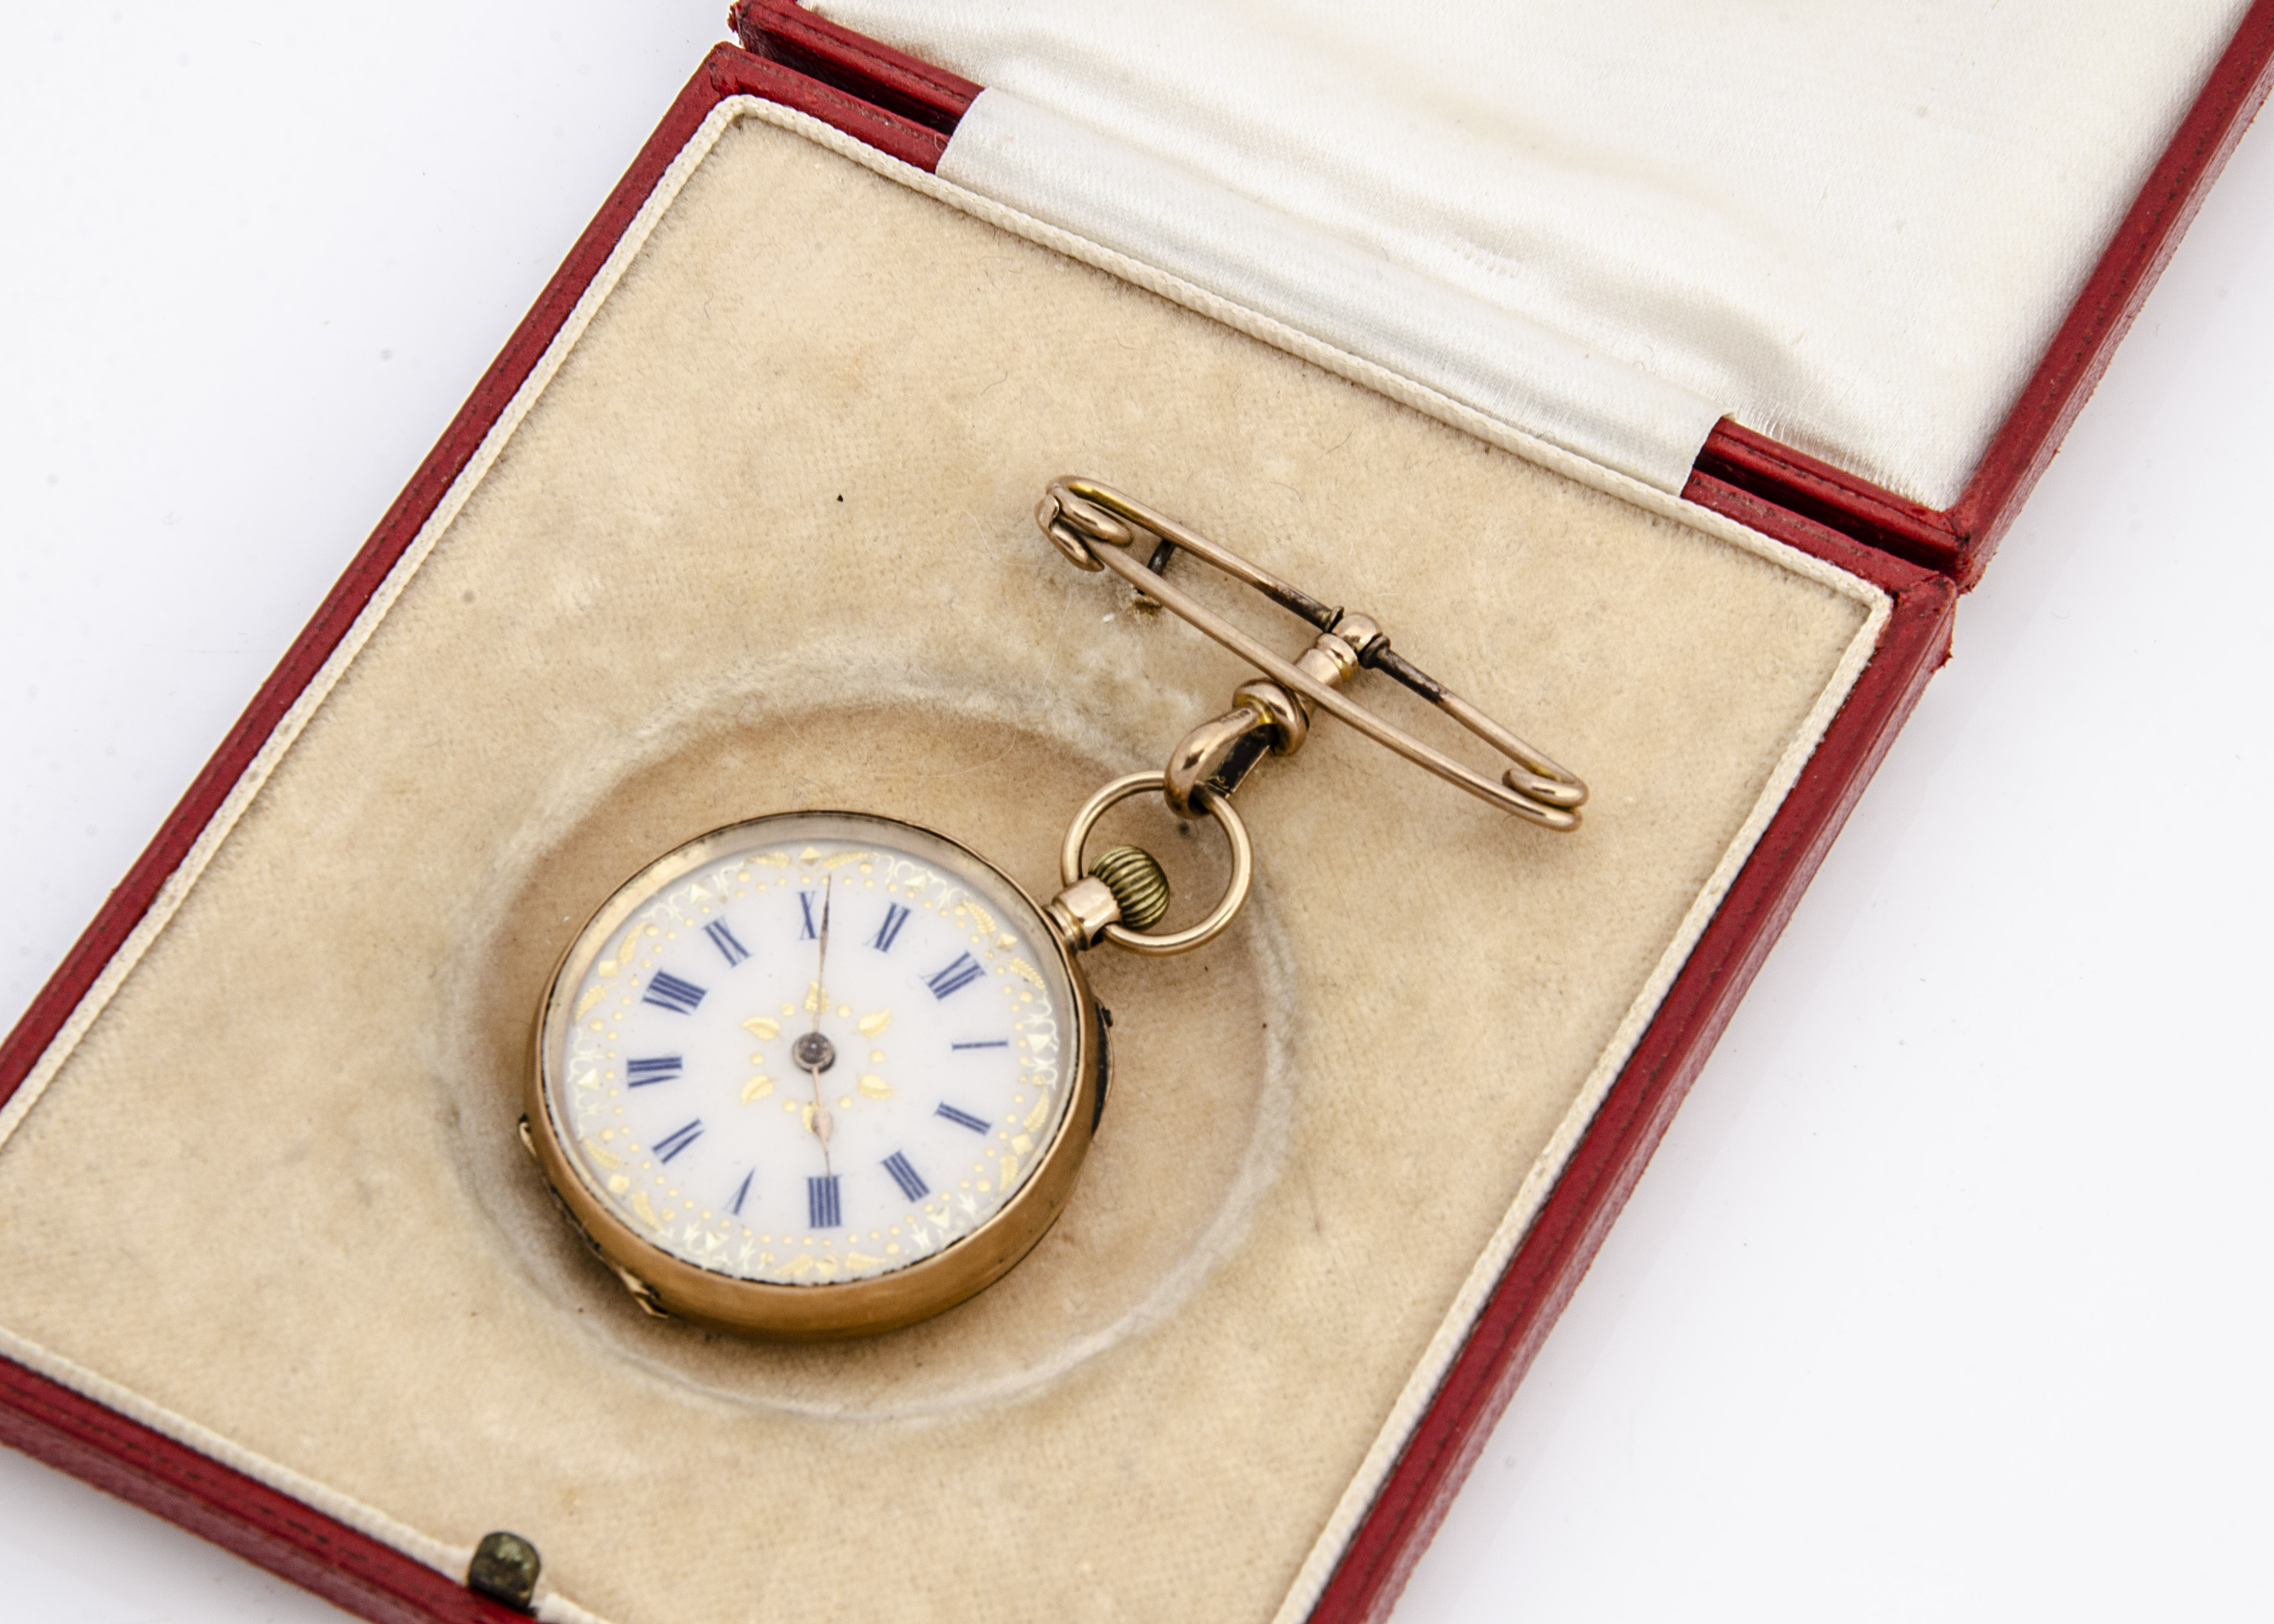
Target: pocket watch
823	1074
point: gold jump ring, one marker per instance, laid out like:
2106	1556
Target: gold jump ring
1235	893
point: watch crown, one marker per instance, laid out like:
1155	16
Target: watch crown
1136	881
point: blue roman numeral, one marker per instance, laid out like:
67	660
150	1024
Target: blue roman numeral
812	931
963	1119
723	939
678	1139
911	1182
821	1203
666	991
743	1195
895	916
990	1044
956	977
640	1074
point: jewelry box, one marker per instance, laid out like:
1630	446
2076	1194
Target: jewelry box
623	602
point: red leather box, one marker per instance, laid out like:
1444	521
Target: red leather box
1922	558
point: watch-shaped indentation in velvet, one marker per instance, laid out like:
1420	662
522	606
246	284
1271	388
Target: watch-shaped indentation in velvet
825	1074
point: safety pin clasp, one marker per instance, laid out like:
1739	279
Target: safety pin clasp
1096	527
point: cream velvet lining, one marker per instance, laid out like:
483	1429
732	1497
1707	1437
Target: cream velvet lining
1854	226
260	1193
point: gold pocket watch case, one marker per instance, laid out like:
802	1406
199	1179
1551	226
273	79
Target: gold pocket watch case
815	1075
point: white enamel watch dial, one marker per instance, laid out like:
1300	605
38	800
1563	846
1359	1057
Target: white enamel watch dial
815	1074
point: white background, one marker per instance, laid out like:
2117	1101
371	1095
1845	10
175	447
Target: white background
1947	1295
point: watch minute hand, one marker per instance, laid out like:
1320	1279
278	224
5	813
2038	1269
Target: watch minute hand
821	954
812	1052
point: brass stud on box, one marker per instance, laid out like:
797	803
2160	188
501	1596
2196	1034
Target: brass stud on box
505	1568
